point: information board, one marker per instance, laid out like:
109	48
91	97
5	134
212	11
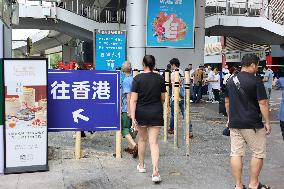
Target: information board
170	23
25	111
1	99
83	100
110	49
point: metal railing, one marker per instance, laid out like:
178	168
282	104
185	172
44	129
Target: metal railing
96	13
234	8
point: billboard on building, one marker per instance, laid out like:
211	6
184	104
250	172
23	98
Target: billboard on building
170	23
25	110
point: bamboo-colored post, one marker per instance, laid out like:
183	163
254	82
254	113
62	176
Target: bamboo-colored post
156	71
187	107
118	136
78	145
118	144
176	108
166	105
135	72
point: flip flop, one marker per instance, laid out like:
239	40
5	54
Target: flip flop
244	187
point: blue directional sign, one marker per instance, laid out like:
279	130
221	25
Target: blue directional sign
110	49
83	100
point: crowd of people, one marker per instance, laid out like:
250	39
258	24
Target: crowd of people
246	94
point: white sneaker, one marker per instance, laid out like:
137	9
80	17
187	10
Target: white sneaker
141	170
156	179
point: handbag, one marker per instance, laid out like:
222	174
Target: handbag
226	131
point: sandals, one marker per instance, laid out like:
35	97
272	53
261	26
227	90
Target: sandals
261	186
156	179
129	150
244	187
141	170
135	151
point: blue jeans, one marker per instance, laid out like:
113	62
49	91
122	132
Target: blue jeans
191	90
197	93
181	106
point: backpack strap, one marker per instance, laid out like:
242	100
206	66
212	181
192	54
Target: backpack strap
244	96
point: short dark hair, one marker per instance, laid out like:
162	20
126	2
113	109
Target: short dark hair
232	70
149	61
250	59
175	62
169	67
190	64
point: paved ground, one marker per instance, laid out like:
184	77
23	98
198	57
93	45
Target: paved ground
206	167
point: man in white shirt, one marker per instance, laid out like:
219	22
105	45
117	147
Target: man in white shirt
209	78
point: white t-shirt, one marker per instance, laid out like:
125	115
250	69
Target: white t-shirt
210	75
173	81
191	74
225	72
216	85
173	75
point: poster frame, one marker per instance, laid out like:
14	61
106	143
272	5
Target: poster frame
172	47
98	31
33	168
2	25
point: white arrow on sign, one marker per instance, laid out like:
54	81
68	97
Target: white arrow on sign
77	114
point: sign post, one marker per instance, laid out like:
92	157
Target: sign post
170	23
25	110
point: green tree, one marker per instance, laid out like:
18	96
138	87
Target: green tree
55	59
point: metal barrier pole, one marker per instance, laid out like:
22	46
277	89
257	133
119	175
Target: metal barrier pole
135	72
176	108
78	145
187	107
166	104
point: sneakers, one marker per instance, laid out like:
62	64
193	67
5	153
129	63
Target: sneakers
141	170
156	179
171	131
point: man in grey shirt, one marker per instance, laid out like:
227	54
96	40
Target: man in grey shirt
268	79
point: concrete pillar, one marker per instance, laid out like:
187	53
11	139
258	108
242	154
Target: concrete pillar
246	5
228	6
136	28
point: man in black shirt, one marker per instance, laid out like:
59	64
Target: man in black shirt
246	104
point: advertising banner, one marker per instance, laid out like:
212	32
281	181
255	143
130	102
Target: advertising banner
170	23
1	100
233	57
110	49
25	107
83	100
